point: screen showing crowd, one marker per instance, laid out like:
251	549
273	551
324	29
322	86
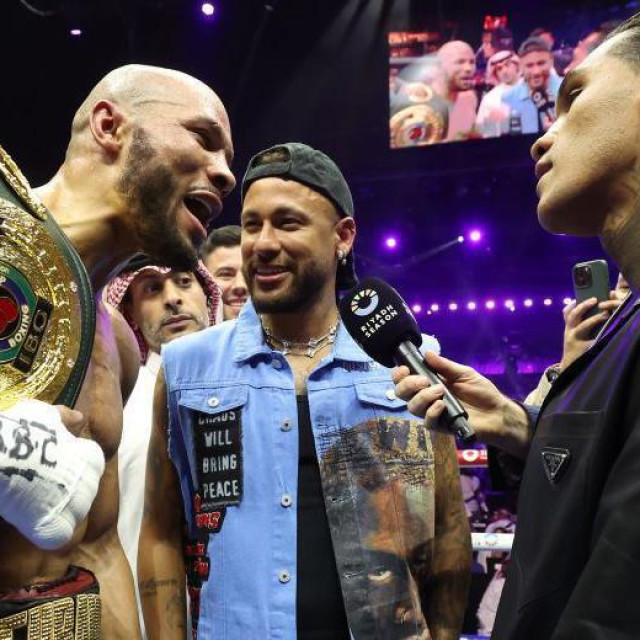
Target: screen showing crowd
445	90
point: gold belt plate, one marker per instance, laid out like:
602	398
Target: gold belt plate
40	314
73	618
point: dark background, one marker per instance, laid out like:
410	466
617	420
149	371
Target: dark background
317	71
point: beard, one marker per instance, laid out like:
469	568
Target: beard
155	333
306	289
148	186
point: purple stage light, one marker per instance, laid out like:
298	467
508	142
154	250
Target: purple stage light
547	302
76	32
472	306
416	308
528	302
391	242
475	235
490	304
435	307
453	306
207	8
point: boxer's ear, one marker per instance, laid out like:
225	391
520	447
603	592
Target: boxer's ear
106	122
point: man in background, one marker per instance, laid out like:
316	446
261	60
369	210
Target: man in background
503	72
590	43
221	255
160	305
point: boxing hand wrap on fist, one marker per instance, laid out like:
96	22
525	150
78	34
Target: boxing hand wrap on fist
48	477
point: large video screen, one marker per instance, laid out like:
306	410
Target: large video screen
443	88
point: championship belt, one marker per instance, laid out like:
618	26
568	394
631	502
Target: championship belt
47	310
422	120
66	609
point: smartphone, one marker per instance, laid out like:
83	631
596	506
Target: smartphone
591	280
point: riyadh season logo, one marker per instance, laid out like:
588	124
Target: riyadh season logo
365	302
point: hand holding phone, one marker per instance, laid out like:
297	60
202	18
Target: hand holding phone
584	318
591	280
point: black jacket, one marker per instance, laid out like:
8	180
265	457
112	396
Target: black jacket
575	570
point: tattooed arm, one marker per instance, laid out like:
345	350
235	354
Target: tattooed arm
449	582
161	572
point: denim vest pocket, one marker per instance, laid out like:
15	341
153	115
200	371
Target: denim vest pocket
214	399
212	425
379	394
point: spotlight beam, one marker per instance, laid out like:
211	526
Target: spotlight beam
243	75
42	13
412	260
425	255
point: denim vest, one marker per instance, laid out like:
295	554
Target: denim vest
233	439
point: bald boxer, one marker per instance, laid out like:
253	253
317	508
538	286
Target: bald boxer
146	169
459	64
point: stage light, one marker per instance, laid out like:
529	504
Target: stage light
528	302
76	32
475	235
566	301
391	242
453	306
547	302
207	8
471	306
509	304
460	239
490	304
416	308
435	307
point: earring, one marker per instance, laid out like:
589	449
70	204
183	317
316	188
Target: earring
342	258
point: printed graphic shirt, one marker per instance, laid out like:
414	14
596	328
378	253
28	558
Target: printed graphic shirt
233	437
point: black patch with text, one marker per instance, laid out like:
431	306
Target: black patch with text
218	444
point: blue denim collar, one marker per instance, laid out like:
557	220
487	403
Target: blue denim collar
249	341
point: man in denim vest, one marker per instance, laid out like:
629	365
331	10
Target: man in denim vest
322	509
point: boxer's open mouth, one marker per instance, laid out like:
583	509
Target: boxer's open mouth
205	206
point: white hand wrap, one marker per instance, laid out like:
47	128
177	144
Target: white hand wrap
48	477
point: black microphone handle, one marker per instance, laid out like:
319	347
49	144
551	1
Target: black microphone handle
454	415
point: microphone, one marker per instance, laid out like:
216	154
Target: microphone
379	320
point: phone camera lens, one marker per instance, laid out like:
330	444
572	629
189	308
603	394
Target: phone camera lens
583	277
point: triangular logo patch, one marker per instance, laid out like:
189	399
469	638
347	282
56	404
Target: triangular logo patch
555	462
